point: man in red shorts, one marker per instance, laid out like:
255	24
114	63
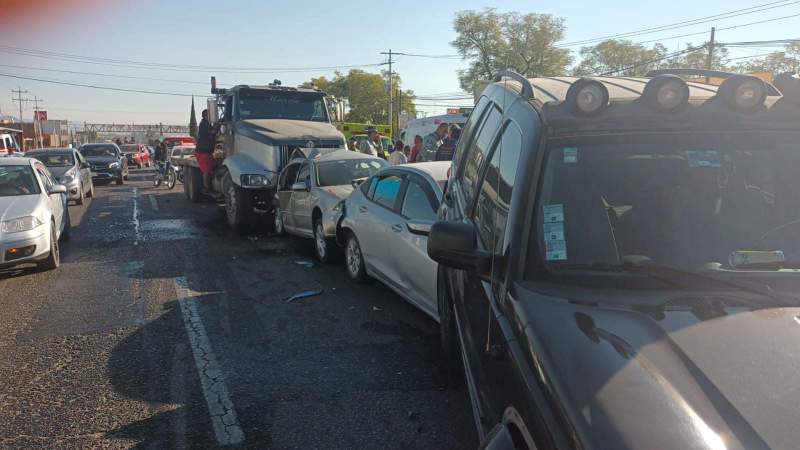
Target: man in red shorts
204	151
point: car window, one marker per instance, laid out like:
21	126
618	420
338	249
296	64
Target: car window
45	176
417	204
288	176
386	191
304	175
469	128
343	172
477	153
369	189
491	212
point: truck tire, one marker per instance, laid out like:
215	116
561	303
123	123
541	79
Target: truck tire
238	204
194	182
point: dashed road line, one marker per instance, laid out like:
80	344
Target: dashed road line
153	202
220	407
136	234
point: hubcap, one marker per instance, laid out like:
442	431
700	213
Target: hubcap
353	261
319	235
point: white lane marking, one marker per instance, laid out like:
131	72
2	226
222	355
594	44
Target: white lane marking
212	380
136	217
153	202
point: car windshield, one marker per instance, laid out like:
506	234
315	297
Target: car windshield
17	180
343	172
279	105
56	159
98	150
694	203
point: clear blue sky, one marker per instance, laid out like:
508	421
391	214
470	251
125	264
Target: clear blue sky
302	34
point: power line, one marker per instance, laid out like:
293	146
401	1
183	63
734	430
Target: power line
651	61
204	83
107	88
719	29
687	23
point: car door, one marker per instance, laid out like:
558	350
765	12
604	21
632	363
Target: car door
409	253
285	182
376	236
55	201
301	201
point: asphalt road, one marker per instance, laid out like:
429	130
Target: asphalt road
163	329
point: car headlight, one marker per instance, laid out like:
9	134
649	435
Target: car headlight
21	224
255	181
113	165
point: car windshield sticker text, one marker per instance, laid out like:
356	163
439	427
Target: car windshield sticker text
554	239
570	155
703	158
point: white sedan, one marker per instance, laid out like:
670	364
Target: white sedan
33	214
384	229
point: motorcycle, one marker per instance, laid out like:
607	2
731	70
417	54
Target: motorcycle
167	173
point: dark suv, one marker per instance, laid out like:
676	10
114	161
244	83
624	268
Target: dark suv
618	262
106	161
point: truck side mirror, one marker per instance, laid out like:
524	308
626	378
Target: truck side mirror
455	244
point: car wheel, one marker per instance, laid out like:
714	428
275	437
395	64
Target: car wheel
79	201
53	258
322	247
354	259
278	222
237	204
67	233
448	332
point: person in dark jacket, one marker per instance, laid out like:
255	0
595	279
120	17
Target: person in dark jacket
204	151
446	151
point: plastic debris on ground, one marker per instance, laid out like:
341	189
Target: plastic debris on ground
302	295
306	264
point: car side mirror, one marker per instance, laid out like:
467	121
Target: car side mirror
455	244
57	189
420	227
299	186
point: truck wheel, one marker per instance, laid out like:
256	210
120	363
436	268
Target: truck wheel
238	207
194	181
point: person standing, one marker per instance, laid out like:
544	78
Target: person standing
415	149
397	156
431	143
204	151
446	151
372	145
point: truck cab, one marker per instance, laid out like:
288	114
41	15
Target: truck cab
259	127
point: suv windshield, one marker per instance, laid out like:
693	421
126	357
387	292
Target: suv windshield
339	173
98	150
282	105
17	180
56	159
689	202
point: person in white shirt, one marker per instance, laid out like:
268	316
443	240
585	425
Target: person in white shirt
397	156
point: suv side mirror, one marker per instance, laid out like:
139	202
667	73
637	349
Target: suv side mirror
455	244
299	186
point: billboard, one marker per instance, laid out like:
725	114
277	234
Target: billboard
40	116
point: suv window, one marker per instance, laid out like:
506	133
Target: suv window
469	127
386	191
288	176
491	212
477	153
417	204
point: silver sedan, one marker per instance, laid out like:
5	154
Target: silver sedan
384	229
68	168
310	190
33	214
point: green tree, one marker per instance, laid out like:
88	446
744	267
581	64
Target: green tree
696	57
620	57
192	121
367	94
493	41
775	63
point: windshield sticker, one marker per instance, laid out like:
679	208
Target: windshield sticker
553	213
570	155
556	250
554	231
703	158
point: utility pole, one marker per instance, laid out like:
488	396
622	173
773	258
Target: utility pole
391	89
19	100
37	125
711	44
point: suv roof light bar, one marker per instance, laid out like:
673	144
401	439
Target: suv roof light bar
771	91
527	87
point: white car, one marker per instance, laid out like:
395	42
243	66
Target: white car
384	230
33	214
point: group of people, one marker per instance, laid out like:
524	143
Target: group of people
440	145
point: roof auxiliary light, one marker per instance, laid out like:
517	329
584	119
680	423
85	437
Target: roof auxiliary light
743	92
587	97
666	93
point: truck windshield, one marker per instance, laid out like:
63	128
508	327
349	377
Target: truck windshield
282	105
340	173
727	202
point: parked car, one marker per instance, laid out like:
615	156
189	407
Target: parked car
384	230
33	214
309	188
8	144
106	162
618	262
70	169
182	151
137	155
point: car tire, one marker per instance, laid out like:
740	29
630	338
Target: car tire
238	209
79	201
354	259
67	233
448	332
322	246
54	257
278	223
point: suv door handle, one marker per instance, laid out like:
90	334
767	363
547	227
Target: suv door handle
397	228
362	209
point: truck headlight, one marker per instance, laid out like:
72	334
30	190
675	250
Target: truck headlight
255	181
21	224
113	165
